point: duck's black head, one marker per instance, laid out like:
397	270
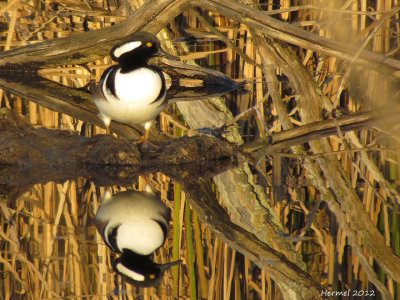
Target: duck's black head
136	49
140	270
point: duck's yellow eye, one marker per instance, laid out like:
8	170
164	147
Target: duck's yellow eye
152	276
149	44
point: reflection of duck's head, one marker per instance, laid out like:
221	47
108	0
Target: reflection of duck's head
134	221
132	91
140	270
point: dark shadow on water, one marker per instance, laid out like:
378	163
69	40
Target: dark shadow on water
16	180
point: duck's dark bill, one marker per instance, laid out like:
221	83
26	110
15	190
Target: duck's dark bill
170	264
162	53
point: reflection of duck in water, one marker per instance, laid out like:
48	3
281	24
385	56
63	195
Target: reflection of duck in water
140	270
133	91
135	224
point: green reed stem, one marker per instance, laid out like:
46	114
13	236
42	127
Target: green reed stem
190	262
199	256
175	247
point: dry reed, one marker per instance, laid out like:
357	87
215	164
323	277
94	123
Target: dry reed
49	245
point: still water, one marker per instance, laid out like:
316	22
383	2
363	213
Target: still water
315	219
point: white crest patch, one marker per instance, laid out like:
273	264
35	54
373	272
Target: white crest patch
129	273
126	48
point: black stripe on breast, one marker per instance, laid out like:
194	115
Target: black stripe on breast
110	83
163	86
112	238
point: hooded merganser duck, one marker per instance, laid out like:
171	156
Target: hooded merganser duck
133	220
133	91
135	224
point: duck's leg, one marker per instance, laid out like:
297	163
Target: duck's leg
144	139
147	187
107	121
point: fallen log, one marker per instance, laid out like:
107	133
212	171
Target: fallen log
31	155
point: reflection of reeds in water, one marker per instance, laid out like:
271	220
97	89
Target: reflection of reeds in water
49	245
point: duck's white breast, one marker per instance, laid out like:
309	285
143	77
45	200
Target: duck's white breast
136	92
141	86
142	236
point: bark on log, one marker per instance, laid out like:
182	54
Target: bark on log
107	159
22	145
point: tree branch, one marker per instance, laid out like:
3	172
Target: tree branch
156	14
